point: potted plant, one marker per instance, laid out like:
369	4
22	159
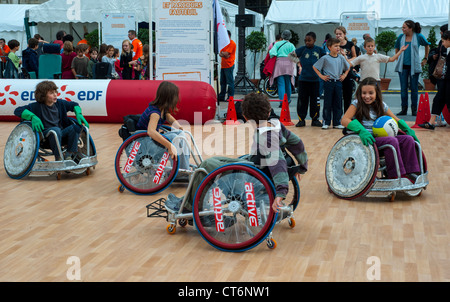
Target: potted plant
255	42
425	68
385	42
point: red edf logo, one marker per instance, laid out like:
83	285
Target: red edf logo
68	92
4	98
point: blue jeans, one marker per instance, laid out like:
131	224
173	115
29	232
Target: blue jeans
284	87
72	133
332	102
405	77
226	78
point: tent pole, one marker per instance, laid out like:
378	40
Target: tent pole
150	38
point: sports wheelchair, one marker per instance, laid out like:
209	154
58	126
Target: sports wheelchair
354	170
231	207
26	153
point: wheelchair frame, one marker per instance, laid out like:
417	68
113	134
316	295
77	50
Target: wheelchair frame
40	166
379	186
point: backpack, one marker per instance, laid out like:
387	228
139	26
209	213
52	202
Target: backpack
129	126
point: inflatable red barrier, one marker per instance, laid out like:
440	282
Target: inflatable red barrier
108	101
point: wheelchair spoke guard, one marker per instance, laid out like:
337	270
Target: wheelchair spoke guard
232	207
144	166
21	151
351	167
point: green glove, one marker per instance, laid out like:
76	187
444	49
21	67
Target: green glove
36	123
365	135
404	126
80	118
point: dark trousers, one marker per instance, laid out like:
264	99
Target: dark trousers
347	89
308	95
69	134
332	102
226	79
442	97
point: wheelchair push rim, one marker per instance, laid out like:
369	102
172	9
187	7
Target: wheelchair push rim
233	207
21	151
143	166
351	167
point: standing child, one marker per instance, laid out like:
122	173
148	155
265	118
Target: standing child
93	54
370	61
50	113
309	81
80	63
109	58
14	46
359	118
30	56
159	111
141	65
332	68
125	58
117	67
67	57
442	97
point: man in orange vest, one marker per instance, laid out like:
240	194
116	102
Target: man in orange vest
137	47
228	56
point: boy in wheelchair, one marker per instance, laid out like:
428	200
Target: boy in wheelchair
271	138
48	114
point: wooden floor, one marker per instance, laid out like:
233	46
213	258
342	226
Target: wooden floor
44	221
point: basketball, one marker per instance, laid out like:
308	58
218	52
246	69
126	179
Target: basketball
385	126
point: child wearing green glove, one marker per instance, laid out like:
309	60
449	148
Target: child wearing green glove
359	118
50	113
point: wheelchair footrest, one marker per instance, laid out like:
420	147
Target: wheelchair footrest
157	209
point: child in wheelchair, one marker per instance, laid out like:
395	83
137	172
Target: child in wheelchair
359	118
271	138
160	111
48	114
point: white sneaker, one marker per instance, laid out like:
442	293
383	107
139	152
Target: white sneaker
325	127
338	127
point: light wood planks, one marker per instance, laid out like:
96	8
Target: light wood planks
44	221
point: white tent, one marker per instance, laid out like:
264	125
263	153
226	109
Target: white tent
56	15
322	17
12	25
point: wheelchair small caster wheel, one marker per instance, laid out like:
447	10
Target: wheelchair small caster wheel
291	222
58	176
171	229
271	244
121	189
182	222
392	197
88	171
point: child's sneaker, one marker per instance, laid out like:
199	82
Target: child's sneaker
338	127
325	127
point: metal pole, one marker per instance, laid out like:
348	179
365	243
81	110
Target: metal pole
150	38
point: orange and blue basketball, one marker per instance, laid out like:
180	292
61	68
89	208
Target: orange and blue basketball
385	126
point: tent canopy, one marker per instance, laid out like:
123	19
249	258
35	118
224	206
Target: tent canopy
57	11
13	16
391	13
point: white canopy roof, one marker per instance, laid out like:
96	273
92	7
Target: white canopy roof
13	16
392	13
57	11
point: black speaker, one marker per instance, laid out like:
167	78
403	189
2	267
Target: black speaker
245	20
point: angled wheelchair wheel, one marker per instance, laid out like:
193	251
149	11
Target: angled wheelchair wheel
232	207
21	151
351	167
293	196
144	166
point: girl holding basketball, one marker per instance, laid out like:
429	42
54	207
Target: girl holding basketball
360	117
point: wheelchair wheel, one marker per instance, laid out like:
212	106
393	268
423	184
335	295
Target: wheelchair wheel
293	196
232	207
21	151
351	167
144	166
271	91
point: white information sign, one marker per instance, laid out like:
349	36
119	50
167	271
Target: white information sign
358	24
115	27
183	46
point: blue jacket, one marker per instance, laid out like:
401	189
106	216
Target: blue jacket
63	107
30	60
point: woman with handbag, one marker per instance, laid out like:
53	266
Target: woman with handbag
442	75
409	64
285	69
